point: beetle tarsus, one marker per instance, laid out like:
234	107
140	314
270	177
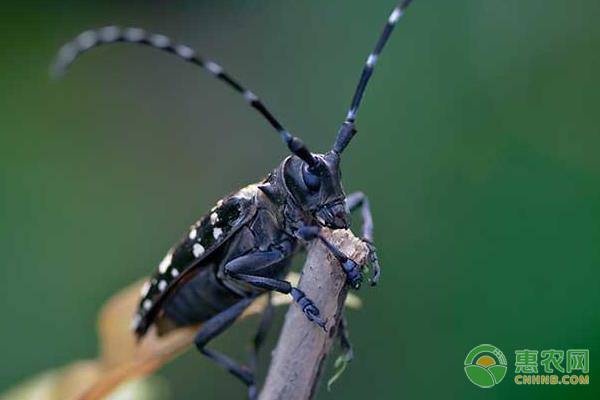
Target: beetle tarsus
374	262
353	273
309	309
252	392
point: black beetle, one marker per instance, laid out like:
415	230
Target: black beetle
243	247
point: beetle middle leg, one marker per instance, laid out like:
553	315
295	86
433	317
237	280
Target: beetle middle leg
255	269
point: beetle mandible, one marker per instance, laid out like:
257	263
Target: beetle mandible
243	247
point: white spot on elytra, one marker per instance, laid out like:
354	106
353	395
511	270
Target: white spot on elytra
217	232
219	204
165	263
246	193
147	304
193	234
395	16
198	250
162	285
174	272
145	289
214	218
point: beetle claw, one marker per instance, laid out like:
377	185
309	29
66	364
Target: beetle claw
374	262
320	322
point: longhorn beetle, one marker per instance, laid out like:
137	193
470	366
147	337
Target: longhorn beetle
243	246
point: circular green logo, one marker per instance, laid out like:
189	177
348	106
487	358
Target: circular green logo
485	365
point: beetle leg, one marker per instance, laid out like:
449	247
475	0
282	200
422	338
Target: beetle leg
215	326
308	307
353	201
350	267
263	327
345	339
347	353
250	269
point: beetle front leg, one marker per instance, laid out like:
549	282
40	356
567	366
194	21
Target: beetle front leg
353	201
350	267
249	269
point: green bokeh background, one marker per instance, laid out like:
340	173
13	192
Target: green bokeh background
478	145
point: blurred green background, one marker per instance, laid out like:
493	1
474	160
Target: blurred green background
478	146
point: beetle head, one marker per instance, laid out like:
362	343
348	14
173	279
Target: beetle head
318	190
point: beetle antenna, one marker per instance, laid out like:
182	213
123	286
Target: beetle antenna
347	129
113	34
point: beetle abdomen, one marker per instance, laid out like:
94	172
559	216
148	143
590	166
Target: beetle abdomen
199	299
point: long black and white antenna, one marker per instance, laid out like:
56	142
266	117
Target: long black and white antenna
113	34
347	129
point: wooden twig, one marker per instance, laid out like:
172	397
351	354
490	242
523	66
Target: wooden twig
302	347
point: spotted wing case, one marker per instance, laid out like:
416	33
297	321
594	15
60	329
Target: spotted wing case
185	258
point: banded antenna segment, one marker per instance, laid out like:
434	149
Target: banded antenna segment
90	39
347	130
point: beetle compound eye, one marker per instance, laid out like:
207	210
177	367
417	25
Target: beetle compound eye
311	180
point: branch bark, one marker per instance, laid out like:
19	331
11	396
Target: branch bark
302	347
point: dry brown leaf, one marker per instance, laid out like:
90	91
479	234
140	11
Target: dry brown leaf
69	382
122	359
